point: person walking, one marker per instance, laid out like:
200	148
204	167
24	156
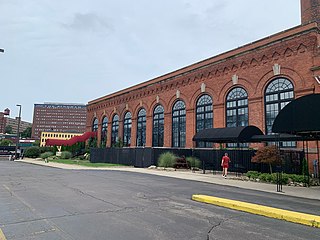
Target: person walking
225	165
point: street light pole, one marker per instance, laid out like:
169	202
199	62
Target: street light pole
18	132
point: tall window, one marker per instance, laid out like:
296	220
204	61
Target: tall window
237	108
95	125
93	140
278	94
158	127
127	123
104	131
141	128
179	124
237	111
204	116
114	130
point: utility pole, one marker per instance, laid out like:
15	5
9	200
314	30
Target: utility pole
18	132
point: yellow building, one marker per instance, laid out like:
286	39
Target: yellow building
56	135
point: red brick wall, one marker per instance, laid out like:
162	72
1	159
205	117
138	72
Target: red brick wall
295	50
310	11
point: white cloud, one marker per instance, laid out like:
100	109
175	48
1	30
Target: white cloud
76	51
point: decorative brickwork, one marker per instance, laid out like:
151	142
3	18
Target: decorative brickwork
293	54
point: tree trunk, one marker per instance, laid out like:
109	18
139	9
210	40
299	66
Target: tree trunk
270	167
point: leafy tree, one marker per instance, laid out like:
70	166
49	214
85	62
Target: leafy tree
8	129
267	154
32	152
36	143
26	133
5	142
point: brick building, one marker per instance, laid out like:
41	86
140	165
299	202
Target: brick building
58	117
13	122
3	119
245	86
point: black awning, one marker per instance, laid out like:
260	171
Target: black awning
227	135
279	137
301	117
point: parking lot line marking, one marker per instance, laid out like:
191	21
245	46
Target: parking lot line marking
2	236
290	216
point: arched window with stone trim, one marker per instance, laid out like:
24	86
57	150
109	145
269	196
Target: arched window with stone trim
237	111
278	94
141	127
114	130
237	108
158	126
95	125
204	116
104	131
127	124
179	124
94	128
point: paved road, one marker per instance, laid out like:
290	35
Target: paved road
45	203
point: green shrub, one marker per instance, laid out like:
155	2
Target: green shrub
47	149
253	174
167	159
46	155
297	178
32	152
66	155
193	162
267	177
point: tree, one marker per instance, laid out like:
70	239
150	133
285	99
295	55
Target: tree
8	129
26	133
5	142
267	154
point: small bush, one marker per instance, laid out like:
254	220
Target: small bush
167	159
32	152
252	174
47	149
267	177
193	162
46	155
66	155
297	178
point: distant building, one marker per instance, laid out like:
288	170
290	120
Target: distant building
3	120
56	135
13	122
58	117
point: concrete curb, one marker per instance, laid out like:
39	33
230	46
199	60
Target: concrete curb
290	216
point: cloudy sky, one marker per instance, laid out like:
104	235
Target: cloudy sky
76	51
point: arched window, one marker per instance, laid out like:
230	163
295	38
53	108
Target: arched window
127	123
237	108
141	128
104	131
204	116
114	130
237	111
95	125
179	124
158	127
278	94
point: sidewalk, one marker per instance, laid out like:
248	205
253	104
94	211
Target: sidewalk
303	192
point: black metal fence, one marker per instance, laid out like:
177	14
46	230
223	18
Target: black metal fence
210	158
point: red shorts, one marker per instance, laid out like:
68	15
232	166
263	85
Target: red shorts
225	165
